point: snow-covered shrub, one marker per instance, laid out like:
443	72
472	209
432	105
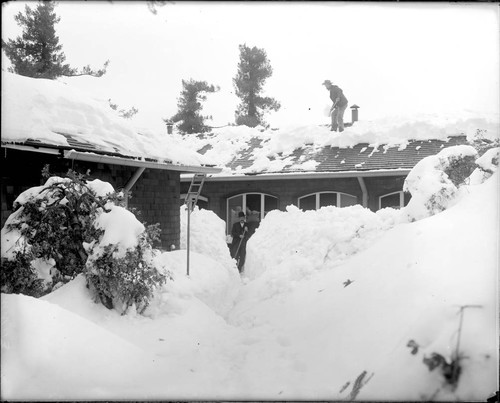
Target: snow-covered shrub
483	141
487	165
17	276
70	226
43	238
434	181
120	271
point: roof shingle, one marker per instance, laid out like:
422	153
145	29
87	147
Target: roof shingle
361	157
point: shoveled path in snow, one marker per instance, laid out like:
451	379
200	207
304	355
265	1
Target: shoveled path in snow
276	339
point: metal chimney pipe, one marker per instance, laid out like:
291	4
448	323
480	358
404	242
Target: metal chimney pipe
170	126
354	113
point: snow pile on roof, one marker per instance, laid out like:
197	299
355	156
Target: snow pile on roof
275	146
44	109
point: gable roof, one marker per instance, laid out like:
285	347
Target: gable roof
49	116
312	160
361	157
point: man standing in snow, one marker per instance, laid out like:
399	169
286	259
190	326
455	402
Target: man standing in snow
239	232
339	105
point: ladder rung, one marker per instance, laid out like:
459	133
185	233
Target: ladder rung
194	190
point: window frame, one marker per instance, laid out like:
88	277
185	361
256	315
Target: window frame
401	198
318	195
244	205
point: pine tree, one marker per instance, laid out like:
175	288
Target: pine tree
37	53
254	69
190	104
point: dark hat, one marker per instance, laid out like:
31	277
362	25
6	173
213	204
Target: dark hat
241	214
327	82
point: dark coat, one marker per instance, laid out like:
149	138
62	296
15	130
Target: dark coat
236	231
238	250
337	96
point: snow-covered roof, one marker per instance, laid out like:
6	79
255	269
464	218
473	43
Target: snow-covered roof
51	114
367	146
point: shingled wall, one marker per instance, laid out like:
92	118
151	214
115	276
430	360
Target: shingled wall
155	195
289	190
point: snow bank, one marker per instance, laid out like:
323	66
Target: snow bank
330	295
207	236
408	284
308	335
42	342
428	182
214	284
294	243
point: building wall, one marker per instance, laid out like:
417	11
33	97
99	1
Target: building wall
155	195
289	190
380	186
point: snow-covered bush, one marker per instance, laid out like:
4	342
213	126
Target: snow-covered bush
434	181
68	226
43	238
483	140
487	165
18	276
119	269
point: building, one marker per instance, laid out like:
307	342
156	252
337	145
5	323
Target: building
49	122
260	175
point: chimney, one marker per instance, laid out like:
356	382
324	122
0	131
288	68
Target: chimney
170	126
354	113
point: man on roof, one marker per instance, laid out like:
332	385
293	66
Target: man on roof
339	106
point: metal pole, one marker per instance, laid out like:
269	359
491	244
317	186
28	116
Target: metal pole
457	349
188	233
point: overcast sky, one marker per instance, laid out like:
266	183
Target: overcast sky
389	58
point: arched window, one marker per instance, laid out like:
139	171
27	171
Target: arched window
254	205
315	201
395	200
202	202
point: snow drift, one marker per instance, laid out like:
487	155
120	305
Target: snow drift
337	304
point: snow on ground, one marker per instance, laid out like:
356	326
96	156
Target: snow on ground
327	296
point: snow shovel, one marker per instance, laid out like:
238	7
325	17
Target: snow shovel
241	240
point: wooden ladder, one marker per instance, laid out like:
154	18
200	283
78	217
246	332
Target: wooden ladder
191	200
194	190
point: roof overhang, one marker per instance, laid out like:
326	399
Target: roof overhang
303	175
114	160
131	162
42	150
